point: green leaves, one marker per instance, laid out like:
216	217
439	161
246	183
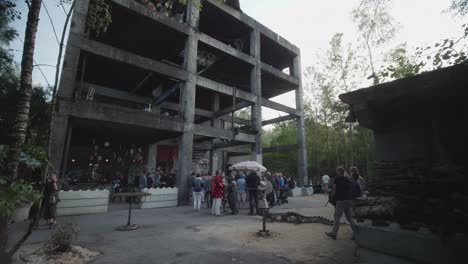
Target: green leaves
99	17
13	193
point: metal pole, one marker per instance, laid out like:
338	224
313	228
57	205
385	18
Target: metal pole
129	211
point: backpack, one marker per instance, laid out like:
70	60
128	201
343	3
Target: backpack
197	185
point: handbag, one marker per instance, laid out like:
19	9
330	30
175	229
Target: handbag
52	199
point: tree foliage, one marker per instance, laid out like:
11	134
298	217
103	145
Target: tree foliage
330	140
401	64
458	7
376	27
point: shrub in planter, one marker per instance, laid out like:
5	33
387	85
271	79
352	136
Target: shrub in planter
15	195
61	240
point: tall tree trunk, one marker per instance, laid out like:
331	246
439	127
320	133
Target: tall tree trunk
22	114
371	60
57	71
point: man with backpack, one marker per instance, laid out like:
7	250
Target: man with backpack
252	182
198	188
341	192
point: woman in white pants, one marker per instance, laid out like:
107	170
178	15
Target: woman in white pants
197	192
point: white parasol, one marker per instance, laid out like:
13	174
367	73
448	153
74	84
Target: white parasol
248	165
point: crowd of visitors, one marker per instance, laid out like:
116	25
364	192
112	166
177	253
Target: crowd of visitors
220	191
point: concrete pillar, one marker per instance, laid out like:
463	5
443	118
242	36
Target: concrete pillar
301	137
58	139
256	88
187	103
72	53
152	156
215	122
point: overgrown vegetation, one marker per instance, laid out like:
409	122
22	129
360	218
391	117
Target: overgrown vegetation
63	237
344	67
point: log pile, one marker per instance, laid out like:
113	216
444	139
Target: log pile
418	195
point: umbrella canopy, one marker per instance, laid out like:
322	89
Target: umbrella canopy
248	165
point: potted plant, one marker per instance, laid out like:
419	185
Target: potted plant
16	199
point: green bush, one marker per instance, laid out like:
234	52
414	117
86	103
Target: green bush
61	240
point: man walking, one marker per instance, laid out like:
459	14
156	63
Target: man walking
342	192
252	182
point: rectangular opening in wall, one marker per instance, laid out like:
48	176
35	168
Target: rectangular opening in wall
102	152
143	36
219	25
273	85
123	84
223	68
274	54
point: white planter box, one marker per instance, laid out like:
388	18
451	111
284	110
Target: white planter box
307	191
160	197
295	192
83	202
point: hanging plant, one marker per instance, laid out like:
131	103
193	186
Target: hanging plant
99	17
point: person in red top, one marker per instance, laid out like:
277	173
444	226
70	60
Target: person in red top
217	192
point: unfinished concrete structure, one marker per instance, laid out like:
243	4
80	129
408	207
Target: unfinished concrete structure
419	186
154	80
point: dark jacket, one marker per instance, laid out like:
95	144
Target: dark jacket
252	180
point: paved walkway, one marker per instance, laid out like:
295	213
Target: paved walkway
180	235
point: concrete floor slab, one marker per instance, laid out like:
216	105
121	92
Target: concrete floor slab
181	235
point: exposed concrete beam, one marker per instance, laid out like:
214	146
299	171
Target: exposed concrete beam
225	48
280	148
234	13
122	95
156	16
121	115
278	120
245	150
222	145
277	73
278	39
224	89
277	106
255	25
117	94
222	133
140	84
123	56
241	121
230	109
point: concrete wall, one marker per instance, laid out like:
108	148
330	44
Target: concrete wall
403	143
160	197
83	202
421	246
236	159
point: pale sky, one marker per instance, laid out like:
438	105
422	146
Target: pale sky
309	24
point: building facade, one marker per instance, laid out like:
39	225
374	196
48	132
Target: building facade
162	89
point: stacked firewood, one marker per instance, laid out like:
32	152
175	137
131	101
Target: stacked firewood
420	195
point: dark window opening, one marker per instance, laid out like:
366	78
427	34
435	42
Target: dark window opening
276	55
223	27
123	84
143	36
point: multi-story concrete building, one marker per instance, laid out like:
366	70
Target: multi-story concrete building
162	89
